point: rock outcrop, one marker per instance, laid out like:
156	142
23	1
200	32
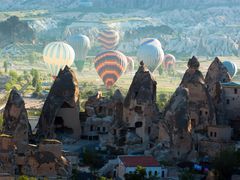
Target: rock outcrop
15	31
62	100
140	109
217	73
176	112
18	156
200	103
15	121
142	88
7	152
46	159
174	128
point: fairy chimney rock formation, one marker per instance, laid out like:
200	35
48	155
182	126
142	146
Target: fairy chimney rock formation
140	109
60	113
142	88
176	112
200	102
15	120
216	73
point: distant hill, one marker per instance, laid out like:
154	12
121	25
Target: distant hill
112	4
15	31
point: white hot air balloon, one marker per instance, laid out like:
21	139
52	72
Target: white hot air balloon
57	55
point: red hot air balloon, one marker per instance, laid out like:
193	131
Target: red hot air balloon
110	65
169	62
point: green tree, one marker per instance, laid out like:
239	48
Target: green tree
225	163
160	70
13	74
38	87
23	178
139	174
92	159
186	175
35	80
1	120
5	65
32	57
8	86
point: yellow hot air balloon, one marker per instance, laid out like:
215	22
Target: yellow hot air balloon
57	55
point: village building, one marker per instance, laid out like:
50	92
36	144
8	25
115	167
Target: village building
231	97
128	165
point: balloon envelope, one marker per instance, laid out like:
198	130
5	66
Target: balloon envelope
81	45
130	64
110	65
57	55
109	39
231	68
151	54
152	40
169	61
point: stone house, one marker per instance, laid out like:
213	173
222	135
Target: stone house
128	165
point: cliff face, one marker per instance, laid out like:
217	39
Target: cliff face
15	31
15	121
64	91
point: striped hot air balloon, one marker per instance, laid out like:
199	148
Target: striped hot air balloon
151	53
110	65
169	62
81	46
231	68
57	55
108	39
130	65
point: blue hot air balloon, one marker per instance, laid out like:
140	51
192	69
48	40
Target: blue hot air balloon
151	53
231	68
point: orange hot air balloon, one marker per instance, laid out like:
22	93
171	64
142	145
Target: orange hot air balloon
110	65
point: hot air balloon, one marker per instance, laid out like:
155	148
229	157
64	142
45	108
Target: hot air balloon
169	62
231	68
110	65
81	46
109	39
152	40
151	53
130	65
57	55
